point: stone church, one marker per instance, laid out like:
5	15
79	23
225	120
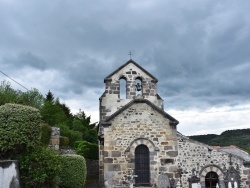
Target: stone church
139	144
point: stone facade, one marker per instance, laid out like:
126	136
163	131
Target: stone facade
198	159
136	136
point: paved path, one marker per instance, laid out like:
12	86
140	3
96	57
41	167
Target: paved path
91	184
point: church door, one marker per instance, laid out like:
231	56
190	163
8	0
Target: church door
211	180
142	165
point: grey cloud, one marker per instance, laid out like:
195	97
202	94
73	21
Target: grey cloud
25	59
196	49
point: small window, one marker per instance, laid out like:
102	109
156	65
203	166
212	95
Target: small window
123	90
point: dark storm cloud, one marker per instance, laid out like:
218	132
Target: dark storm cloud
197	49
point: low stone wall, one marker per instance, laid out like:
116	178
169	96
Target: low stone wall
55	138
9	173
92	169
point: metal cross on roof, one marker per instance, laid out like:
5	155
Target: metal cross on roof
130	54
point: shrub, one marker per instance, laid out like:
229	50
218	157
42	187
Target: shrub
39	168
64	141
19	129
46	134
72	135
86	149
73	171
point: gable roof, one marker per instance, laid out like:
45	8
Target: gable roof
173	121
133	62
235	151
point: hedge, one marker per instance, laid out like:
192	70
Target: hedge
39	168
87	150
19	129
73	171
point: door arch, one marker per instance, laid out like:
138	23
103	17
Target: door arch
142	168
211	168
211	179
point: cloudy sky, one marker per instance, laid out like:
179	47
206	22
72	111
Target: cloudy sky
198	49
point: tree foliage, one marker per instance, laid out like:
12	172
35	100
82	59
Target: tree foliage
53	112
30	98
239	137
7	93
82	124
46	134
86	149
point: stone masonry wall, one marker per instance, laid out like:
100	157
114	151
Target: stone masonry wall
110	101
198	156
55	138
139	124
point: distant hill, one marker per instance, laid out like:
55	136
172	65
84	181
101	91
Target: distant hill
238	137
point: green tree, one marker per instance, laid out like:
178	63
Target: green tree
31	98
7	93
49	96
53	114
82	123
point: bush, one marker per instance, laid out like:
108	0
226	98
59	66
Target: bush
39	168
72	135
86	149
19	129
73	171
46	134
64	141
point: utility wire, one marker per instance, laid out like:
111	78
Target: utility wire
14	81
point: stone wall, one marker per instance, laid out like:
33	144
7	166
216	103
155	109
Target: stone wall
139	124
195	158
9	174
110	101
55	138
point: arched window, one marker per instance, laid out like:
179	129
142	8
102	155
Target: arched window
211	180
123	86
142	169
138	83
